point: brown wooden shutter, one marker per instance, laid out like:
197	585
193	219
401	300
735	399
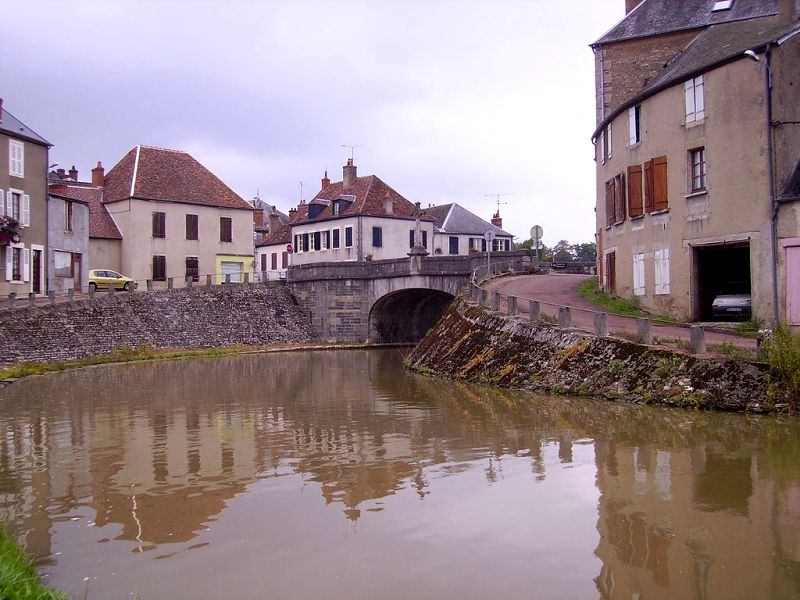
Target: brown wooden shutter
648	186
609	202
225	229
263	262
285	259
274	261
660	198
635	204
619	198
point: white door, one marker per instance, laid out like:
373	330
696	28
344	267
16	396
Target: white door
234	269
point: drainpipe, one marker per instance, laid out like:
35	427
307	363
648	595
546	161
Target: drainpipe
772	192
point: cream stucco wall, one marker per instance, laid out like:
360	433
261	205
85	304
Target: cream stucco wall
105	254
736	206
441	243
135	221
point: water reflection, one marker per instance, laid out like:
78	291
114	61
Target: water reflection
569	497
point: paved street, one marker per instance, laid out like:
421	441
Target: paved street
558	289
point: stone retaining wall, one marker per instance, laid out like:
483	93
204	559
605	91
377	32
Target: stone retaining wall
474	344
200	317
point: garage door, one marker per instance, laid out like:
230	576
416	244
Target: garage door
234	269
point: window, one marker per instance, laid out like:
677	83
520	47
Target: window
316	240
16	158
159	267
263	262
336	206
606	141
453	245
634	124
662	271
284	259
326	239
159	225
17	268
348	237
14	205
425	239
635	198
192	227
697	170
304	239
192	268
410	238
274	261
655	184
335	239
62	263
615	200
638	274
695	102
225	229
377	237
722	5
297	241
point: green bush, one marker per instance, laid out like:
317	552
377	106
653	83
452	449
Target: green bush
782	354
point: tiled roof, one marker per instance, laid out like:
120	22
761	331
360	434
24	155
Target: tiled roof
654	17
101	224
283	235
169	175
370	196
258	220
12	126
791	190
454	218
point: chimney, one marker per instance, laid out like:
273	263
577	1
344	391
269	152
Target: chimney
73	173
630	5
98	175
787	11
274	220
348	174
496	220
325	181
61	173
292	214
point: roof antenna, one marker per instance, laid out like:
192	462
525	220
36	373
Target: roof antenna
498	196
301	191
352	149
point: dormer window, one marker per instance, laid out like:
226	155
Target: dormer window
722	5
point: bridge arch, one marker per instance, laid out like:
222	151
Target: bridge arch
405	316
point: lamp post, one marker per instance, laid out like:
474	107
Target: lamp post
771	161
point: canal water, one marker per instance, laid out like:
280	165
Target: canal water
339	475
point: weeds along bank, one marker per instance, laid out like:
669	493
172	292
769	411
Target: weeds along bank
201	317
471	344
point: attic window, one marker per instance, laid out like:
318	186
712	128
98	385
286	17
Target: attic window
722	5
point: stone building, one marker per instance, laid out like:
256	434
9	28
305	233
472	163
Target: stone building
697	147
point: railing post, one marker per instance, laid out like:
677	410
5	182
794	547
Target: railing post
71	295
52	295
12	299
495	301
227	277
149	285
111	292
512	305
209	280
91	292
564	317
534	310
698	339
247	277
31	299
644	332
601	324
189	281
482	295
170	283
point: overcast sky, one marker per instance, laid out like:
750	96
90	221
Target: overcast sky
449	101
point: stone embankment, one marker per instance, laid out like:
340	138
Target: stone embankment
473	344
201	317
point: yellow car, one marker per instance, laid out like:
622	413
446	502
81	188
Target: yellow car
100	279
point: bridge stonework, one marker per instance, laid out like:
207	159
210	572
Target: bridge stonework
383	301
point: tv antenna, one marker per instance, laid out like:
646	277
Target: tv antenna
301	191
497	197
352	149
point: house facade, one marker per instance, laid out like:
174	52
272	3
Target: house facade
458	232
67	243
23	203
694	167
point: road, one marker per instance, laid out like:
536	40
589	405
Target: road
553	290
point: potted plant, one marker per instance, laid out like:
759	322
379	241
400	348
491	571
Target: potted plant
9	230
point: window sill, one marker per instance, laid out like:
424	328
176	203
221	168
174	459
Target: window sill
618	223
695	194
695	123
636	218
659	212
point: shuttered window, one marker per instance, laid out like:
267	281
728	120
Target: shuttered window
263	262
316	240
191	227
634	124
662	271
635	199
695	99
619	198
159	267
610	202
377	237
410	238
335	239
274	261
697	170
638	274
159	225
284	259
348	237
453	245
16	158
192	268
225	229
655	184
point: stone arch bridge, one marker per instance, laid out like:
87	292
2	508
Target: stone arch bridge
388	300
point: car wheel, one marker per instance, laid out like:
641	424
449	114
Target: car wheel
92	286
127	286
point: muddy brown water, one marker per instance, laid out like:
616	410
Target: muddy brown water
338	475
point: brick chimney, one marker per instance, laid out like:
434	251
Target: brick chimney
325	181
348	174
73	173
292	214
61	173
630	5
274	220
496	220
98	175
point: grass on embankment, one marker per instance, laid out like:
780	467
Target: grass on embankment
627	307
18	578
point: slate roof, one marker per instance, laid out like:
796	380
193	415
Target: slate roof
101	224
12	126
653	17
370	193
150	173
791	190
455	219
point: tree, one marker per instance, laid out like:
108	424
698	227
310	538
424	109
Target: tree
563	252
585	252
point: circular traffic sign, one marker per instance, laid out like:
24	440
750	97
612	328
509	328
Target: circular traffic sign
289	248
537	232
489	235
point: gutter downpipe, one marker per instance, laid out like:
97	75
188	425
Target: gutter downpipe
772	194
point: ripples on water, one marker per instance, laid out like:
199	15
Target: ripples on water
336	474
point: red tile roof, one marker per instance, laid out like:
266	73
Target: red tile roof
168	175
101	225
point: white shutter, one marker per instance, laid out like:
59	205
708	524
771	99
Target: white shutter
9	209
2	202
9	262
632	125
26	210
699	99
689	91
662	271
26	265
638	274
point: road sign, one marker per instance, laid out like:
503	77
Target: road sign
489	235
537	232
289	248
